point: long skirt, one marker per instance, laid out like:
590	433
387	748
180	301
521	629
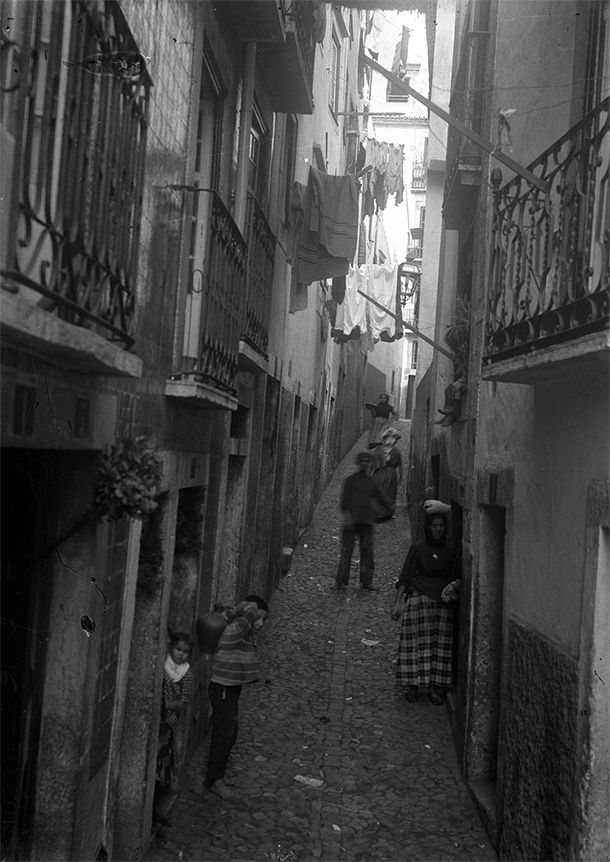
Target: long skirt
425	647
165	755
387	479
378	426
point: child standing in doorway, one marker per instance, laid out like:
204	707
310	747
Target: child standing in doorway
177	692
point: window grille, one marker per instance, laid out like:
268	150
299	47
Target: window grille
80	134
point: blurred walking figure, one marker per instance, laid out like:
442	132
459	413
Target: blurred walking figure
382	412
387	469
361	501
429	580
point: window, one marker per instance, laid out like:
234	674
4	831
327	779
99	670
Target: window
258	155
335	74
209	125
289	159
414	348
352	139
596	47
77	243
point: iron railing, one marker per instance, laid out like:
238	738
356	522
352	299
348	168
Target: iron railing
215	300
80	127
261	254
419	177
549	264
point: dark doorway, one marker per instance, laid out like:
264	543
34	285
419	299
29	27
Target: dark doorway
24	634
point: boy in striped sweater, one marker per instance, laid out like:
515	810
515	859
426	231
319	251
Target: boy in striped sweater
233	664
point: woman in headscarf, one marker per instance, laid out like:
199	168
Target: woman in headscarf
387	468
429	580
382	412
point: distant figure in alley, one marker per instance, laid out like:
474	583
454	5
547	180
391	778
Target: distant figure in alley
361	501
387	469
382	413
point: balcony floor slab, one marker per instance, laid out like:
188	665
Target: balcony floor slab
570	360
28	327
195	392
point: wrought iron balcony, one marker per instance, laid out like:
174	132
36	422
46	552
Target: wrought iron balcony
72	239
548	308
288	69
419	177
207	372
261	255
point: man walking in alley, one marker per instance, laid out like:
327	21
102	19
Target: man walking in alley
359	498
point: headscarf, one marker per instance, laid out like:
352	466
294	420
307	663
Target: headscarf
175	671
427	523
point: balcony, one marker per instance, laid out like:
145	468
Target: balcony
207	372
419	177
264	21
287	69
261	255
548	308
70	248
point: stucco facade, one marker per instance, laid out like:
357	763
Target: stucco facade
524	462
176	330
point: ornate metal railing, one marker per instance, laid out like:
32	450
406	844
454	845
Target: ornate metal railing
261	254
78	171
215	301
549	263
419	177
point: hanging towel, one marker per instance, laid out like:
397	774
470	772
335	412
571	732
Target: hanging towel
329	231
381	283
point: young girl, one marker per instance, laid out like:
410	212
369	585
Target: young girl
177	691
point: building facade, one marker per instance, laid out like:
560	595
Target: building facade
169	418
521	449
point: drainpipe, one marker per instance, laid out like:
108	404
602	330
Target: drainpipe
245	124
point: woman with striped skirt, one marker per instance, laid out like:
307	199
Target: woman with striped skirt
429	580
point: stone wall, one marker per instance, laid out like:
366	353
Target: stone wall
537	747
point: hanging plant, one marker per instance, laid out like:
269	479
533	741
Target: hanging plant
127	481
458	335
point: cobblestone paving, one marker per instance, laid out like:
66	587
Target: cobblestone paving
331	762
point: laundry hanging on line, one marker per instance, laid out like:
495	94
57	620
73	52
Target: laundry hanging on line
329	231
386	176
356	318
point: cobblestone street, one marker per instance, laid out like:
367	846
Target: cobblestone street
331	762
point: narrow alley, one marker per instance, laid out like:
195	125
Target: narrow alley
331	762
